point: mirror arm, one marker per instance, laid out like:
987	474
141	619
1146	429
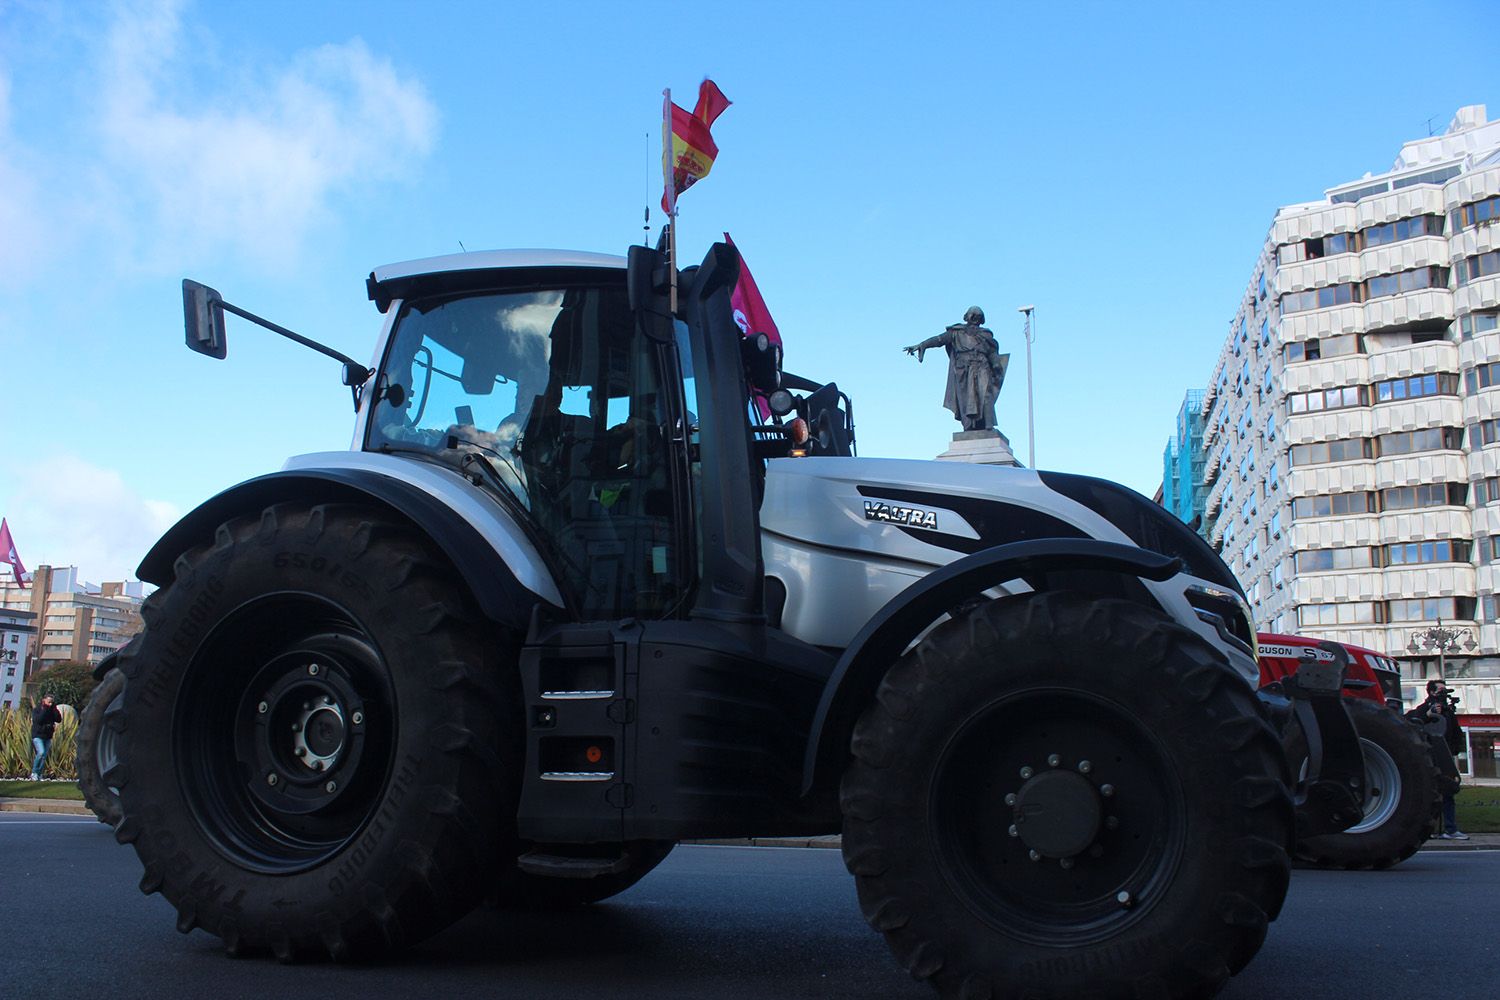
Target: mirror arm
323	349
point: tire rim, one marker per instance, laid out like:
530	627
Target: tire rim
1057	816
1382	787
105	755
284	733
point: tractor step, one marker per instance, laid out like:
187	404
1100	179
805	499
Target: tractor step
564	866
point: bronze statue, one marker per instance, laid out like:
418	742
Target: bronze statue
976	370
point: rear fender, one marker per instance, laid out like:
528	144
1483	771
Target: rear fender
906	616
492	573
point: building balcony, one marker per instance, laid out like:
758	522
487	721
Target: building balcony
1474	240
1427	467
1333	477
1328	425
1323	322
1416	414
1338	587
1405	255
1338	532
1402	203
1429	522
1426	305
1293	227
1481	293
1304	274
1435	580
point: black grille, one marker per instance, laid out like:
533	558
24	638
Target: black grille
1225	614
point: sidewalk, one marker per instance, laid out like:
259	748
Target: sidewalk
69	807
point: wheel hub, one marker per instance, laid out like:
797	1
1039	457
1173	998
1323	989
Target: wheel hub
1058	813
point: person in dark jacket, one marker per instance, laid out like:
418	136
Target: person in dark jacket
44	720
1436	715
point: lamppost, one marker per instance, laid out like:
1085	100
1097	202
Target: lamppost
1442	641
1030	334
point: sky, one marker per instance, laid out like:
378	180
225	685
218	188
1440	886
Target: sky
884	166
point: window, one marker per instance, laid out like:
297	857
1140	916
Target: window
1277	578
1429	439
1470	268
1334	504
1325	347
1270	431
1477	323
1428	176
1406	281
1321	298
1265	324
1248	509
1437	551
1247	464
1252	550
1416	386
1426	609
1484	432
1329	399
1405	229
1346	450
1483	377
1363	613
1321	560
1273	475
1274	528
1425	495
1486	210
1489	549
1486	491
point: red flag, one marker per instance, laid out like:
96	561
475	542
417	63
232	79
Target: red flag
8	553
752	316
688	147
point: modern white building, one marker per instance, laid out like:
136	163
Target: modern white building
17	632
76	620
1352	424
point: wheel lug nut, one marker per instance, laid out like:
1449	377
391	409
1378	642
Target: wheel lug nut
1010	799
1112	822
1123	898
271	779
1106	790
1053	760
312	669
300	751
307	706
1035	855
1065	863
357	718
263	708
1026	772
1084	767
331	787
1013	831
327	700
296	727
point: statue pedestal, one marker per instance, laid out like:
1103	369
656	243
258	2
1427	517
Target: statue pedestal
979	448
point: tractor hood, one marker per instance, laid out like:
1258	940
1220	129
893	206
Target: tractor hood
930	513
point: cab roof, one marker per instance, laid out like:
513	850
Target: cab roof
454	271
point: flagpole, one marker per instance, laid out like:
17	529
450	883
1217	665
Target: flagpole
670	198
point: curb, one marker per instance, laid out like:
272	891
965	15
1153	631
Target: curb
68	807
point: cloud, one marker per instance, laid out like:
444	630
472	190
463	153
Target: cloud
22	223
64	511
178	152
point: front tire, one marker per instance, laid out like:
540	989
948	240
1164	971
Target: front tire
1062	796
312	739
97	751
1401	796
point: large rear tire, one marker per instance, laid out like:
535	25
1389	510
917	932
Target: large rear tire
1401	795
319	750
1066	797
97	751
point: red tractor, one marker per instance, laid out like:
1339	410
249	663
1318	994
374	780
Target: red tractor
1402	782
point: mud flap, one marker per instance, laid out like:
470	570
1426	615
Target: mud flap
1329	795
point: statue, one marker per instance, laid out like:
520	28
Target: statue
976	370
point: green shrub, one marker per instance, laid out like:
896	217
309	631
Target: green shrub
69	682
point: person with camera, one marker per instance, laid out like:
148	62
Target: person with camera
1437	715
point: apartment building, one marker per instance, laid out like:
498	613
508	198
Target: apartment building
75	620
1182	463
1351	428
17	632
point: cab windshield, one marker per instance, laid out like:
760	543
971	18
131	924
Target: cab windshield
552	396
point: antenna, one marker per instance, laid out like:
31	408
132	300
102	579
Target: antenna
462	247
1434	118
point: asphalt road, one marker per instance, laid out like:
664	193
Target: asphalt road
711	922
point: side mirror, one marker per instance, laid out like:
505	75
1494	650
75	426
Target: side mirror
781	402
203	313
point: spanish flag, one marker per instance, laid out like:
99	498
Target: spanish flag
688	148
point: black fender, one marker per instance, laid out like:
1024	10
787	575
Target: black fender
886	635
499	594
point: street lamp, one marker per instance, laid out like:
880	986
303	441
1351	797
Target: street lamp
1441	641
1030	334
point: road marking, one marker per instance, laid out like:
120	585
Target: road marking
7	821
